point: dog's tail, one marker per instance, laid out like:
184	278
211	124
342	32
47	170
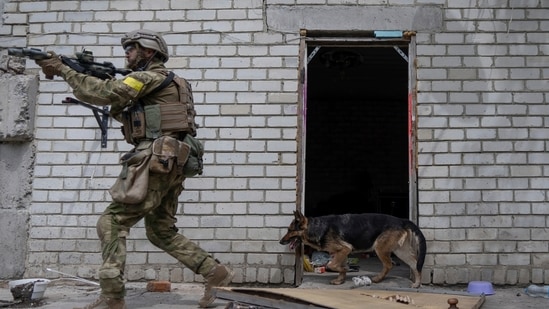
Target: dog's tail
419	240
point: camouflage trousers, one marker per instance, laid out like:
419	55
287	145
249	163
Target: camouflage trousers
158	210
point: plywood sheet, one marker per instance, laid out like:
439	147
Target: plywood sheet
343	299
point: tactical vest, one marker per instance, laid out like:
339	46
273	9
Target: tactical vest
149	121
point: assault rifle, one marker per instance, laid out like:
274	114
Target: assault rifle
83	63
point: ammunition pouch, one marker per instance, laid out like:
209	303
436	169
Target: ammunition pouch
186	156
133	124
168	152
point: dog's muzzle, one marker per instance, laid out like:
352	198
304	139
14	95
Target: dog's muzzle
292	242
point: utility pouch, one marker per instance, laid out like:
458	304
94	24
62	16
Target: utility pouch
137	118
152	116
194	165
165	153
133	124
126	127
132	184
174	117
183	155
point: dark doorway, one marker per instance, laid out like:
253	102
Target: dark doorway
356	128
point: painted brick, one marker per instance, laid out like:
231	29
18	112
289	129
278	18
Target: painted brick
529	98
60	245
514	259
231	233
540	259
447	159
216	246
260	259
268	158
530	195
492	172
250	145
434	196
467	247
12	19
450	259
497	196
532	246
497	146
462	171
43	258
475	128
482	259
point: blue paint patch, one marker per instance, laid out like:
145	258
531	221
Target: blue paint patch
388	34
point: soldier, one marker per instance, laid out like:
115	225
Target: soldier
156	110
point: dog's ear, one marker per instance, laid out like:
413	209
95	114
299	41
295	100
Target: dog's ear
298	215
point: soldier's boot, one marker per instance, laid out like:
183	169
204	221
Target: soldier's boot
106	303
219	276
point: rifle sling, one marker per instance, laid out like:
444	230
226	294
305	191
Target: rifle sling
165	83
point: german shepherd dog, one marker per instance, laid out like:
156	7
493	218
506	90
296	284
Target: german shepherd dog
339	235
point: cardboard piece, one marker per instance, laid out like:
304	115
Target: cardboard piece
297	298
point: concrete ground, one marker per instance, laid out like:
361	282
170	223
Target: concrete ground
505	297
64	294
68	294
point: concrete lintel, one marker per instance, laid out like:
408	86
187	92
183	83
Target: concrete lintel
349	18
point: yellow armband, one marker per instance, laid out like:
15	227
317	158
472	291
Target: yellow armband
133	83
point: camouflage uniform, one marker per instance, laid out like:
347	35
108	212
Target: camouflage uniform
159	207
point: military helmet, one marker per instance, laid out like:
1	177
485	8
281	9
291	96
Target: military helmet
147	39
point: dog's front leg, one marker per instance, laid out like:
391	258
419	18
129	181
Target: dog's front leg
337	263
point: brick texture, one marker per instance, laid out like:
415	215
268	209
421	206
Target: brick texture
480	112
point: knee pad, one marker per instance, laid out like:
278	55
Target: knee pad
103	225
112	283
109	273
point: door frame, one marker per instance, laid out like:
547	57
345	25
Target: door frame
353	38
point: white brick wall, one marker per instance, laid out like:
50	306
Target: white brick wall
482	165
478	125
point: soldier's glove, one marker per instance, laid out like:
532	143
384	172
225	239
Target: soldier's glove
51	66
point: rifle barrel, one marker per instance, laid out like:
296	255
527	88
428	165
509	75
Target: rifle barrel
31	53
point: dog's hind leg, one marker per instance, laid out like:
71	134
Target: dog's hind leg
384	245
384	255
407	254
338	263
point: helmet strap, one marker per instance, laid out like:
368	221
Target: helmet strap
146	64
